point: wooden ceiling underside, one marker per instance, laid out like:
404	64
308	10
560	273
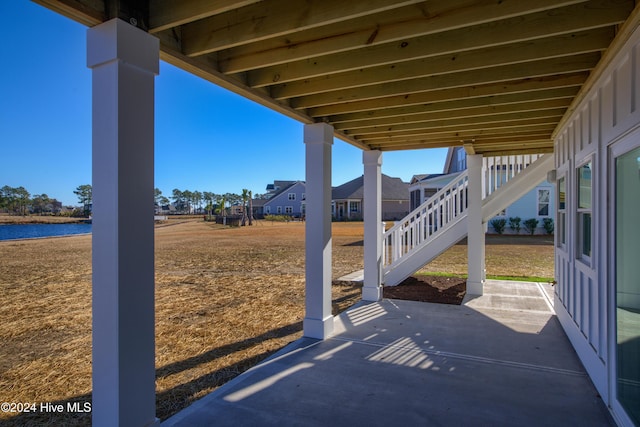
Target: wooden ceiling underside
390	74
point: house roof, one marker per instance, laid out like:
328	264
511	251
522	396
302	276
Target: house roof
499	76
425	177
283	189
392	189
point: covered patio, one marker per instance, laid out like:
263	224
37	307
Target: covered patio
501	359
497	77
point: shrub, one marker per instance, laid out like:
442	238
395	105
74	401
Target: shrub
498	224
278	218
514	224
547	223
530	225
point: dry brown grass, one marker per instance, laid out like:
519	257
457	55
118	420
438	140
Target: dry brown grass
226	298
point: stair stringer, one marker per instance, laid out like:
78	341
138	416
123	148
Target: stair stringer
438	243
517	187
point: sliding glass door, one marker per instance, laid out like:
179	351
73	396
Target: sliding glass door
627	283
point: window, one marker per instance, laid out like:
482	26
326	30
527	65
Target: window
279	210
354	206
543	202
584	210
562	211
288	210
267	209
292	196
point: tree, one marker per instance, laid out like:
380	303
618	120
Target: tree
85	197
178	199
196	198
22	198
188	197
250	208
245	199
40	203
209	198
7	198
223	212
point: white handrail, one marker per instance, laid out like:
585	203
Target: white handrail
440	211
497	171
433	216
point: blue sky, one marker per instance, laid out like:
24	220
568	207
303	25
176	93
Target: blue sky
207	138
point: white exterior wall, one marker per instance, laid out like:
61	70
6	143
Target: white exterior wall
585	300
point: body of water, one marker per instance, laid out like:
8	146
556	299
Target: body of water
31	231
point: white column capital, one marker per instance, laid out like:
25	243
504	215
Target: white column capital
116	40
372	158
318	133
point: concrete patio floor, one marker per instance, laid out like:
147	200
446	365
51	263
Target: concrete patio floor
498	360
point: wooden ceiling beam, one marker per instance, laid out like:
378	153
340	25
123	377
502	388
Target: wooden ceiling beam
468	113
542	134
578	63
86	12
506	119
402	33
274	18
529	27
466	130
166	14
549	48
514	87
456	106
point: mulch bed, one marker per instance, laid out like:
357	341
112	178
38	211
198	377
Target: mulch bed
436	289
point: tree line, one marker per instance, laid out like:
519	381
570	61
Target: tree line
19	201
186	202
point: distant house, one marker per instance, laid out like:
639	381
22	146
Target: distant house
277	186
422	187
258	207
286	200
347	199
538	203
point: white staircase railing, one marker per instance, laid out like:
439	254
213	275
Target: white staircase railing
445	209
497	171
432	217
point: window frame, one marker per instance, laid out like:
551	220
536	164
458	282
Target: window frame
561	221
539	203
584	213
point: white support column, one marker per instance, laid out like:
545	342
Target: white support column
476	229
125	61
372	289
318	321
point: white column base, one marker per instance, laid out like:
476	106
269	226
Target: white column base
318	328
372	294
475	288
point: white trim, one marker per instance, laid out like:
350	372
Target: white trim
622	145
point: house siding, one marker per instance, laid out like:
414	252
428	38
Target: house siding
585	302
281	204
527	207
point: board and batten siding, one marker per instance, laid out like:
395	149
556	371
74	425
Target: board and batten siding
608	112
